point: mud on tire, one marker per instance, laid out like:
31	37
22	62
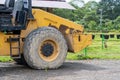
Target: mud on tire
45	48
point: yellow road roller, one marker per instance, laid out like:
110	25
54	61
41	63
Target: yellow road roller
40	39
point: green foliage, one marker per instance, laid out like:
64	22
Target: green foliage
110	8
92	25
89	14
68	14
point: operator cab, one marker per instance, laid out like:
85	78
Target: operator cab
7	6
14	15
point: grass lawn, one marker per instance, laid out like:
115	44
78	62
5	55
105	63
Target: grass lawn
5	59
95	51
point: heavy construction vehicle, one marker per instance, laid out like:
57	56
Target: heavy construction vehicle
36	37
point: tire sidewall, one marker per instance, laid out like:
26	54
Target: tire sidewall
42	35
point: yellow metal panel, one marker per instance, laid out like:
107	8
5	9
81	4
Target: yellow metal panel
44	18
5	46
32	25
81	41
77	42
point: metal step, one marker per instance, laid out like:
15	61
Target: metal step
13	48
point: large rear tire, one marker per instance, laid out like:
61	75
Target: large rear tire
45	48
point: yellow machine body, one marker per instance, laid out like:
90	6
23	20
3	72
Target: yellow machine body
73	33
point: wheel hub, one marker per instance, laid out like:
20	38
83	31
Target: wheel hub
47	49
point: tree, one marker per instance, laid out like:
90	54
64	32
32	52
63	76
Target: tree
65	13
110	8
117	23
77	3
109	24
91	5
74	15
90	9
92	25
89	14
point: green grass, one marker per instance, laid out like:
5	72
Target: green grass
5	59
95	51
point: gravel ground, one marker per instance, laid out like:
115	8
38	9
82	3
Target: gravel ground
71	70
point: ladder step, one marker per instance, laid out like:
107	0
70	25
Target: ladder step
15	47
13	39
16	56
16	39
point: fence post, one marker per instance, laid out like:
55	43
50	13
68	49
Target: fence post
85	51
102	41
